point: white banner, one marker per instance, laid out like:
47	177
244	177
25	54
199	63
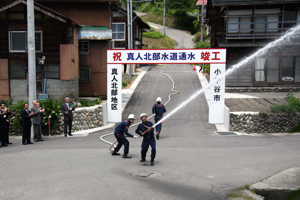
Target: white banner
168	56
114	93
217	94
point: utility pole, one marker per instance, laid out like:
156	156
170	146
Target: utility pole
131	42
164	17
31	51
202	19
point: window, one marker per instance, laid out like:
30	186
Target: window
273	69
259	69
84	47
52	71
118	31
85	74
18	41
17	70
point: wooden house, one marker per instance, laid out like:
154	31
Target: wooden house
244	26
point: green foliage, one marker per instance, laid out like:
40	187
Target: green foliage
202	45
206	68
185	22
124	84
52	111
291	106
296	129
7	102
87	103
16	109
153	34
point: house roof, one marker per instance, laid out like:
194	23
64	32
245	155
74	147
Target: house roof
251	2
38	7
199	2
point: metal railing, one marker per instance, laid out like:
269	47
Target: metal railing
269	30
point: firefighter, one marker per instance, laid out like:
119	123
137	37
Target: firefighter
120	131
158	109
145	129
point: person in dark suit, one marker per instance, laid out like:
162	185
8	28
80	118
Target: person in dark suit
67	109
6	115
2	126
36	121
26	123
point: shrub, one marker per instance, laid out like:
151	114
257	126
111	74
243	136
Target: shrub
16	109
202	45
153	34
52	109
291	106
87	103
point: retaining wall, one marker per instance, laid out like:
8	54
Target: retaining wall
263	123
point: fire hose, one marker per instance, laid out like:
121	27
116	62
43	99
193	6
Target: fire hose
169	98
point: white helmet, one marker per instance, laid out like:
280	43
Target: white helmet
158	99
131	116
142	115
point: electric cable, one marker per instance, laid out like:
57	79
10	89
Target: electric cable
169	98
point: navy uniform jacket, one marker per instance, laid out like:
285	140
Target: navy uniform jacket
26	118
143	127
158	109
123	127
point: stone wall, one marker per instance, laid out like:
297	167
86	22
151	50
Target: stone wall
261	89
84	119
263	123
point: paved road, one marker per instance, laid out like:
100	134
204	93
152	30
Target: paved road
193	162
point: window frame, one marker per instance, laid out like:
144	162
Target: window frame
26	47
120	31
89	72
45	71
89	47
10	70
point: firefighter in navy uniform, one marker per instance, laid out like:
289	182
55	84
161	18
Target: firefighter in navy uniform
158	109
145	129
120	131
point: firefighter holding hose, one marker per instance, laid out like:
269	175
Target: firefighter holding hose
145	129
120	131
159	109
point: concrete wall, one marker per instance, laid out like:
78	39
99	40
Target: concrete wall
59	89
18	90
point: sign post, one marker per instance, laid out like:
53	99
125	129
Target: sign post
117	57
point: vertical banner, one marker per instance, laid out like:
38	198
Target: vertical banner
114	93
217	94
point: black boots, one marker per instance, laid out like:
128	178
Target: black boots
126	156
143	160
114	153
152	162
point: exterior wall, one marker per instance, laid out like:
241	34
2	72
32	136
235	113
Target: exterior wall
4	79
97	61
68	62
18	90
242	77
90	14
59	89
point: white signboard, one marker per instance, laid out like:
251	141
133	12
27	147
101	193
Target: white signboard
217	94
168	56
215	57
114	93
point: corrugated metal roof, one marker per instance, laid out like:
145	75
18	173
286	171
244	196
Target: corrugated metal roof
251	2
199	2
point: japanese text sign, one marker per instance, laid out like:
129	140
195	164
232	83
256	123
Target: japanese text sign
114	93
168	56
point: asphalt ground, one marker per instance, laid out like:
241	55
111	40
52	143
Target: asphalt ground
193	161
